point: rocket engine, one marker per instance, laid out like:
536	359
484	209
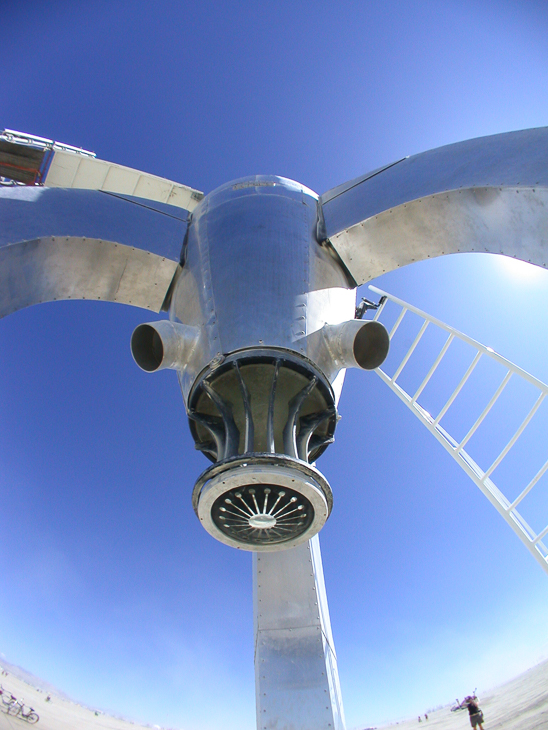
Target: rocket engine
261	331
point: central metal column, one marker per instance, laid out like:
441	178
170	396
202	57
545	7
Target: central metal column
296	676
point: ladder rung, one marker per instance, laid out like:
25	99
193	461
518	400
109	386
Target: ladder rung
542	534
530	486
485	411
432	370
459	387
398	322
516	436
416	341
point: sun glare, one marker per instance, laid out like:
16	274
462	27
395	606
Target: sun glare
517	269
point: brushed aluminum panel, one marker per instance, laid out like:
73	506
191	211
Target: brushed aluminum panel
28	213
486	194
501	160
509	221
297	683
254	274
55	268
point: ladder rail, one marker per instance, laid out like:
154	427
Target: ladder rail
482	478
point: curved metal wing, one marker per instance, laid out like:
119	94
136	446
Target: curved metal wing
488	194
74	227
80	244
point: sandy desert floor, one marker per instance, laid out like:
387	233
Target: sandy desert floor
521	704
59	714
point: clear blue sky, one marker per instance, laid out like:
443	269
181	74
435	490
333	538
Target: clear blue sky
110	587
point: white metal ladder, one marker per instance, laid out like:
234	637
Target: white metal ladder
482	478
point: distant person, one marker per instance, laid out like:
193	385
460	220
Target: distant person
48	698
476	715
420	719
425	716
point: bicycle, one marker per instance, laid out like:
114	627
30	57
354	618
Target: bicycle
17	709
7	698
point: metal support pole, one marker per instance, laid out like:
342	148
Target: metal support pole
296	677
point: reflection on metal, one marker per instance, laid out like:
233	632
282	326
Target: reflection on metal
481	477
255	276
357	343
159	345
488	194
31	212
259	283
52	269
264	397
296	677
261	378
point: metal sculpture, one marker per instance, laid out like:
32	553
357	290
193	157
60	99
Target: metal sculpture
259	280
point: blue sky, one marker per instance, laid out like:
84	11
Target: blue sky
111	589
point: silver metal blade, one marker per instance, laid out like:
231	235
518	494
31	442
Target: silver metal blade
80	244
488	194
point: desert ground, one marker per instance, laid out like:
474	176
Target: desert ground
58	714
521	704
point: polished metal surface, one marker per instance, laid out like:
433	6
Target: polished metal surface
488	194
31	212
265	293
512	222
296	677
262	502
260	288
357	343
160	345
71	244
255	276
52	269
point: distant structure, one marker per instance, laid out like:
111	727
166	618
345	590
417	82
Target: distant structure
259	280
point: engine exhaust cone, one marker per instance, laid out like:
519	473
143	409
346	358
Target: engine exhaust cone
262	502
